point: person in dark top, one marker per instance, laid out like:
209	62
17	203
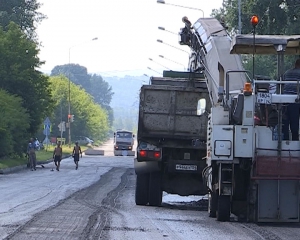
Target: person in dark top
292	111
75	154
31	154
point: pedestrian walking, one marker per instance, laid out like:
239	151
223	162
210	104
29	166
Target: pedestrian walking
75	154
31	154
57	155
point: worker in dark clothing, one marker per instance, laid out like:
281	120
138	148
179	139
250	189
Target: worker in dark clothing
292	111
75	154
31	154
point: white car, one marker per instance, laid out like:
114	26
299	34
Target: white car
84	140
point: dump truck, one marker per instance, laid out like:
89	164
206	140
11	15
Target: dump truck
171	137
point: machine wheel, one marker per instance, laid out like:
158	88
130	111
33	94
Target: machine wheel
155	191
142	189
223	211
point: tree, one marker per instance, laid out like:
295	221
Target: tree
275	17
14	124
94	84
100	90
90	118
18	74
76	73
22	12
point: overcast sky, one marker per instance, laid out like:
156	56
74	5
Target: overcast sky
127	32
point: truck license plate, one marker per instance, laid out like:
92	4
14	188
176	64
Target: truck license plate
186	167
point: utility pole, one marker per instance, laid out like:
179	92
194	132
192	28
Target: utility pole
240	18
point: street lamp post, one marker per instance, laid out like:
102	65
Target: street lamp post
163	2
159	64
163	29
154	70
172	61
161	41
69	90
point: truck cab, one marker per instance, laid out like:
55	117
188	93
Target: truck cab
123	142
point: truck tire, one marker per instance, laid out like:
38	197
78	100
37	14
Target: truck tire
155	191
142	189
223	211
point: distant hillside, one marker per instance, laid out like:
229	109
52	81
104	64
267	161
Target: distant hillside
125	90
125	100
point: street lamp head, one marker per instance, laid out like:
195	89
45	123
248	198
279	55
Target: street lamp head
161	28
160	41
161	56
161	1
150	59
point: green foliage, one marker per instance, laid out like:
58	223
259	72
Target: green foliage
90	118
94	84
76	73
14	124
275	17
22	12
100	90
18	74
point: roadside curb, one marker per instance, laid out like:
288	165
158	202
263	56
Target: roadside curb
22	167
12	169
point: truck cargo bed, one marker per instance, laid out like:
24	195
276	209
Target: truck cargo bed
171	111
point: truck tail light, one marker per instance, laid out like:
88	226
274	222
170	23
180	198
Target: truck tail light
157	154
150	154
143	153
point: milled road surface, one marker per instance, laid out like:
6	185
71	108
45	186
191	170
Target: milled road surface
97	202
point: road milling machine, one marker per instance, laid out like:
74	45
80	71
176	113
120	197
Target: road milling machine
220	149
250	172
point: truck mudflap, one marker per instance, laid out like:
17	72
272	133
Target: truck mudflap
146	166
185	166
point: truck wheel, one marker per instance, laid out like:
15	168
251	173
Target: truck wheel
155	191
223	212
142	189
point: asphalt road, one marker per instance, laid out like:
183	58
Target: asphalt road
97	202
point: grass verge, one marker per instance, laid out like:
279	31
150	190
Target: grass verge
41	156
